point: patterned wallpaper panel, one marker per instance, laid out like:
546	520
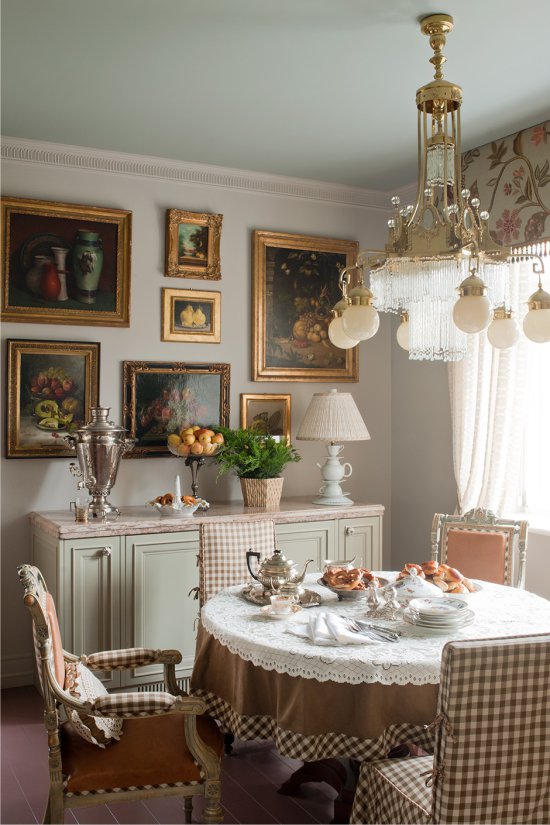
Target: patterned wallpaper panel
511	176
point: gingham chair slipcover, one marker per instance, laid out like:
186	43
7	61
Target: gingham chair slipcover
222	554
492	743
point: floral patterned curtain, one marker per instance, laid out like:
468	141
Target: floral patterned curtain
511	177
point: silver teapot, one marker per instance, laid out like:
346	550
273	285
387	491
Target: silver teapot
278	573
99	446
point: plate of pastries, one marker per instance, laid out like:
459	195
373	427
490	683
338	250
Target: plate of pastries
350	582
167	505
448	579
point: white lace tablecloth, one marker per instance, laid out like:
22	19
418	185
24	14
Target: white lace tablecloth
415	659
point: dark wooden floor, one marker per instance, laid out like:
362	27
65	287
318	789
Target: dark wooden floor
250	779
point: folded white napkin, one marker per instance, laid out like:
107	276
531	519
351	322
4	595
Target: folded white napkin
328	629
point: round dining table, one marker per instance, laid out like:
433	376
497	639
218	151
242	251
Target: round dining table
260	680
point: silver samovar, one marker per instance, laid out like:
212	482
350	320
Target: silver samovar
99	446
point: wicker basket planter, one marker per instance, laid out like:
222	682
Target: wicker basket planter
262	492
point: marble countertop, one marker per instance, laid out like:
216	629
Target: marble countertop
140	520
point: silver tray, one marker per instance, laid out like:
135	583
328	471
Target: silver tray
257	595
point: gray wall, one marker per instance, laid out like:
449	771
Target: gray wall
422	477
45	484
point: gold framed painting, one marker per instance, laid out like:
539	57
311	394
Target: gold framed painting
191	315
193	244
266	414
295	286
51	387
65	263
160	398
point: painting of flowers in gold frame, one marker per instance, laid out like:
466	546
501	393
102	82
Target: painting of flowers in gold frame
294	287
193	244
191	315
160	398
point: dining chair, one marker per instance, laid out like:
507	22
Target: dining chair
482	546
124	746
491	760
222	553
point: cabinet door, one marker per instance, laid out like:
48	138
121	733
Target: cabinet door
315	540
90	600
161	569
362	538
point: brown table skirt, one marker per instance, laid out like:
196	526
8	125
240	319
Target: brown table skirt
248	699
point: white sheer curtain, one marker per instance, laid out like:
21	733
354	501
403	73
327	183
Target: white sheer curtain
489	400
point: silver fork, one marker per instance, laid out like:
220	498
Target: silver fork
371	632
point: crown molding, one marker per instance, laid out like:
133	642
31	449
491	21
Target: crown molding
120	163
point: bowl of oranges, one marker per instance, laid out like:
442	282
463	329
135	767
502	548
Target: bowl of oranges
194	441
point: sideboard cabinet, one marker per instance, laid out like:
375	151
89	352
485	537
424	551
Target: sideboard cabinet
131	582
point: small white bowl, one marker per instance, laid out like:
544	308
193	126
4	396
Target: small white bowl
185	511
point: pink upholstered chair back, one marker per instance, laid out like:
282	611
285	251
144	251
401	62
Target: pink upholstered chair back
492	752
481	546
222	554
45	626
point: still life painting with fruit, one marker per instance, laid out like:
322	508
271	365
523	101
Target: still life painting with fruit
51	388
304	290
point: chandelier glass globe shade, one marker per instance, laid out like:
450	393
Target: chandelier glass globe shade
402	335
536	325
503	333
338	337
472	313
360	322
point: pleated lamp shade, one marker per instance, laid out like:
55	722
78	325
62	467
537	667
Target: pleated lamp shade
332	416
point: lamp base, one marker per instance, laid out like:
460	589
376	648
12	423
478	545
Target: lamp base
336	501
333	472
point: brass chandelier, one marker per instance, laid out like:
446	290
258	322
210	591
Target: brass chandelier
438	248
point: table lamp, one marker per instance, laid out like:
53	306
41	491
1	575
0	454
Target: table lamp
333	416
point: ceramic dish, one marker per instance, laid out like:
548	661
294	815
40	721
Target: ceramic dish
351	595
271	614
436	607
185	511
467	595
435	630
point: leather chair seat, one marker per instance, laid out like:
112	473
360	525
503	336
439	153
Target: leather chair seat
151	751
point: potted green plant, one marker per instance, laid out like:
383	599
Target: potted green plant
258	461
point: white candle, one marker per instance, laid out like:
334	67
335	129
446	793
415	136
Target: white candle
177	502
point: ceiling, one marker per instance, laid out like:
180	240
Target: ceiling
320	89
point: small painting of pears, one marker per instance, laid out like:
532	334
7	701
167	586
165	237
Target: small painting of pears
193	315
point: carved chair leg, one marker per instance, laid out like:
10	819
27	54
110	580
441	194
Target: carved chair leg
213	811
188	807
54	814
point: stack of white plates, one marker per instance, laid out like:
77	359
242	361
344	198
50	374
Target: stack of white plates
439	615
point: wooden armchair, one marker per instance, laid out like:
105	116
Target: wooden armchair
482	546
118	747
